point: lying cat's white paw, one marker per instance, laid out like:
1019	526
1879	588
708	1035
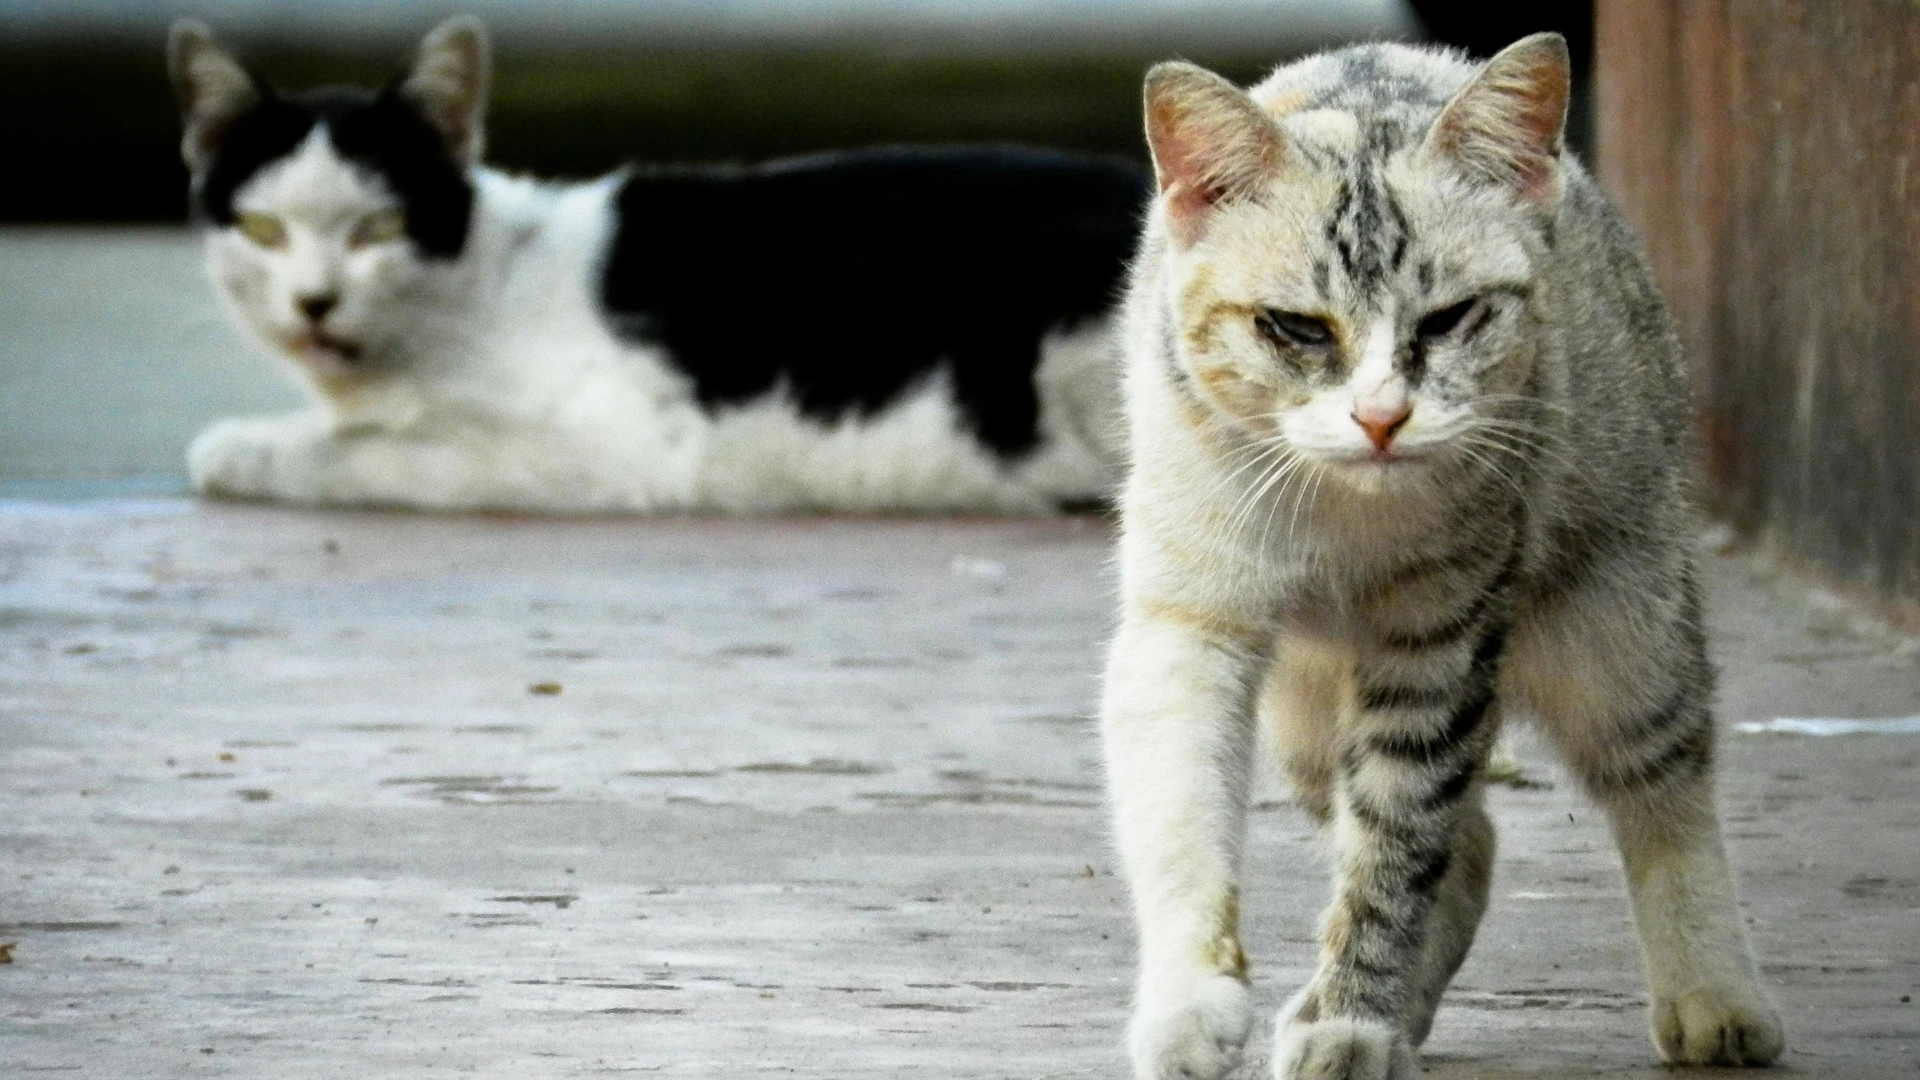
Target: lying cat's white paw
1189	1028
244	458
1717	1025
1338	1047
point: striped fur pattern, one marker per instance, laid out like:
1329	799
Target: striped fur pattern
1410	457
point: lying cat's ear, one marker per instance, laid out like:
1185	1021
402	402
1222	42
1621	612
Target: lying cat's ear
1210	143
214	90
448	84
1507	124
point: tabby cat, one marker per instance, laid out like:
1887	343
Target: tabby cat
890	329
1410	454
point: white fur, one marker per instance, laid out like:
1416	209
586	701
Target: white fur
1193	1026
492	381
1339	1048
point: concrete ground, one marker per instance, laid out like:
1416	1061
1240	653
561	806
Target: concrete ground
289	794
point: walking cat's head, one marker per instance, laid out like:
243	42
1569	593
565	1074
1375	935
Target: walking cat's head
1353	250
322	208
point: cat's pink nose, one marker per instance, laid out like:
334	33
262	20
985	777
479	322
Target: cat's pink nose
1380	422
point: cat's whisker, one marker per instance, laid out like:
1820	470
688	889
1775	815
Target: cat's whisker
1530	428
1519	407
1257	460
1271	445
1289	464
1293	519
1520	453
1515	454
1494	468
1312	499
1498	436
1264	448
1246	454
1534	433
1524	399
1306	470
1508	423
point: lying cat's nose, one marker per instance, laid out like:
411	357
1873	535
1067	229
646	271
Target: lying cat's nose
316	305
1380	422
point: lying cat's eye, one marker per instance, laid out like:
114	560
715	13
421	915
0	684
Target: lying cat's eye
379	227
262	229
1464	316
1295	329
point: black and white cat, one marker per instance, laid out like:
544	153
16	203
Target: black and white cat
882	330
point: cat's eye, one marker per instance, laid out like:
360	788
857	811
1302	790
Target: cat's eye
1294	329
1465	317
379	227
263	229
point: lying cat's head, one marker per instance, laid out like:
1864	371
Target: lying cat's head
1353	250
321	207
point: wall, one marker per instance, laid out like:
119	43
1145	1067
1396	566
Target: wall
1767	151
584	85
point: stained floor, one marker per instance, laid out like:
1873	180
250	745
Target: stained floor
300	794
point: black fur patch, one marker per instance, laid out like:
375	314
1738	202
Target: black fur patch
1426	876
848	278
378	132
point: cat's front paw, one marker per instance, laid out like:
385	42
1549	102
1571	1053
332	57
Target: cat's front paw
1190	1028
1717	1025
1307	1046
243	459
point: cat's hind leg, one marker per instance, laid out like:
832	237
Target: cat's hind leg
1298	705
1623	687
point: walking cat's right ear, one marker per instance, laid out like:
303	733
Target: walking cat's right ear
1508	124
214	90
1211	143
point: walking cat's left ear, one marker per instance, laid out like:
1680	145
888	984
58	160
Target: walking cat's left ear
1507	124
448	84
1211	144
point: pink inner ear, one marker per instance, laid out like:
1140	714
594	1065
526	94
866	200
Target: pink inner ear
1174	159
1507	123
1200	158
1539	105
1187	205
1180	167
1534	175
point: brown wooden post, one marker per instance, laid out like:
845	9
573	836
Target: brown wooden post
1769	153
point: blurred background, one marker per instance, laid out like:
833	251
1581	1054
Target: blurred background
1764	150
113	352
583	85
